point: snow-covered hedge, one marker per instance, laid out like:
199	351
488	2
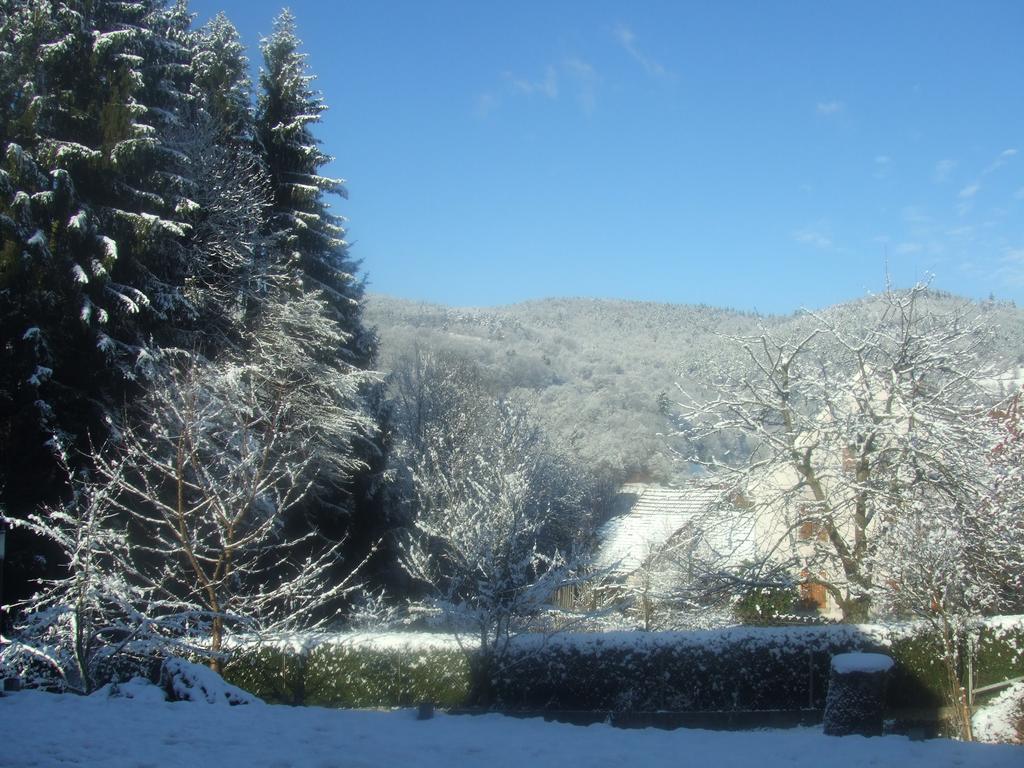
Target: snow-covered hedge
747	668
742	668
364	670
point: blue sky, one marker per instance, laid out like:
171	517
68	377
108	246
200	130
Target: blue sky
745	154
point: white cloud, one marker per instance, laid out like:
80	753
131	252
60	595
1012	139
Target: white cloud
1000	161
942	170
915	214
964	231
486	103
627	39
1011	267
969	191
833	107
580	69
904	249
573	76
546	86
585	80
813	237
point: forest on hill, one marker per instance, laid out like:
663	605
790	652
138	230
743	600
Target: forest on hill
604	375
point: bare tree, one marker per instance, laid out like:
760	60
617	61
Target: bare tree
205	486
1006	501
486	543
953	557
70	632
181	534
851	426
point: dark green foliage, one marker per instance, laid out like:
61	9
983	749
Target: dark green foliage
91	226
745	669
1000	654
92	244
308	252
765	605
336	675
134	204
221	80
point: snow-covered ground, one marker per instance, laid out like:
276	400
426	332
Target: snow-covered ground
998	720
40	729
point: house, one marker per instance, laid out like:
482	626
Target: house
662	537
839	474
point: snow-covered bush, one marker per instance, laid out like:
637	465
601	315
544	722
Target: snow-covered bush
185	681
1002	719
95	623
354	671
746	668
139	688
742	668
765	604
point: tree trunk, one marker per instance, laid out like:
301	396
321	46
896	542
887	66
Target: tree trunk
856	610
958	698
216	643
481	671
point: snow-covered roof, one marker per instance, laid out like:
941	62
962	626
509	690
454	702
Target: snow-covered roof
653	515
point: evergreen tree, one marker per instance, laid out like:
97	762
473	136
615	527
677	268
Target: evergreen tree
231	252
221	80
327	344
311	237
94	208
147	216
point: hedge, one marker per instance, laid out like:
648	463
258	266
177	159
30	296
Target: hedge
349	672
747	668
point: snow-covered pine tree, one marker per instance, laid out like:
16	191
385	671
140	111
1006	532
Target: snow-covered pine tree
230	252
309	235
313	269
221	80
94	202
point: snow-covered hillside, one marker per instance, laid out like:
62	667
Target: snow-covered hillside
603	375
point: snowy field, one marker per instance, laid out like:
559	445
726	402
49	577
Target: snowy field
40	729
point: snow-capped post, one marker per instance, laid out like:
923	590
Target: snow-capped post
856	694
